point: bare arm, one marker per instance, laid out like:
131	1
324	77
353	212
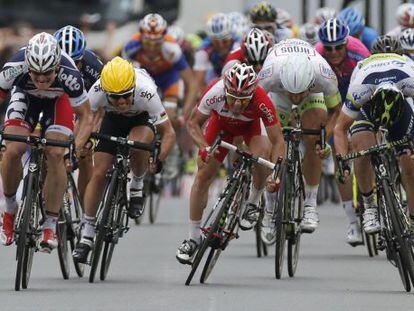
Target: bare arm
199	76
97	119
84	114
341	133
333	117
167	139
194	124
274	133
191	89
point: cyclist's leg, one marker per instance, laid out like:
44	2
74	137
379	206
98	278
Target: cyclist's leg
18	121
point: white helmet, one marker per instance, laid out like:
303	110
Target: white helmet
323	14
405	15
283	19
219	26
309	32
239	23
407	39
297	74
177	33
256	44
42	53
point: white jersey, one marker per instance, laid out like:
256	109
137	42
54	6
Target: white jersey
325	79
146	99
374	71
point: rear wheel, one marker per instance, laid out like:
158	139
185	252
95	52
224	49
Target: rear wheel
280	233
154	200
63	246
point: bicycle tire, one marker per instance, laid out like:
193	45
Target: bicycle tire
258	238
108	202
214	226
62	249
154	201
210	263
280	229
21	242
116	225
404	249
293	247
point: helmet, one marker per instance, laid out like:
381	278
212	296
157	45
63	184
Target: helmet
386	44
297	73
387	104
241	80
323	14
153	26
177	33
333	32
309	32
72	41
407	39
239	23
219	26
256	45
354	19
42	53
405	15
263	11
283	18
117	76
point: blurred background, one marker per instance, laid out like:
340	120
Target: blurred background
110	23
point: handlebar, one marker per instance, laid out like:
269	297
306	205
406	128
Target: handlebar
122	141
36	141
294	131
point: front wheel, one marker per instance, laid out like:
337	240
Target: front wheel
63	246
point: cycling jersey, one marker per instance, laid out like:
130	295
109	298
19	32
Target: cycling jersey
368	37
146	99
370	73
68	80
164	67
356	51
325	79
208	58
91	68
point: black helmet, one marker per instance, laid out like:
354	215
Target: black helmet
387	44
387	105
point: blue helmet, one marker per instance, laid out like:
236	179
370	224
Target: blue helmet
72	41
333	32
354	19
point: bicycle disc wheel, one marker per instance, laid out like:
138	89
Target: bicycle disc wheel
63	247
22	237
102	223
213	228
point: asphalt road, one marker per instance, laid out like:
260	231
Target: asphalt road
146	276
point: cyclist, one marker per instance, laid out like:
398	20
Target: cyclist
162	57
405	19
126	100
387	44
72	41
297	75
239	24
264	16
239	107
343	52
253	50
407	42
309	32
41	79
380	94
323	14
356	23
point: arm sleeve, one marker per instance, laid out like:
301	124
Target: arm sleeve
10	71
96	96
267	110
156	110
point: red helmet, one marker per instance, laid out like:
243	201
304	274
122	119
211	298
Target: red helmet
256	45
241	80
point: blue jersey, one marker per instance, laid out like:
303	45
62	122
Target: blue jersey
68	80
368	36
91	68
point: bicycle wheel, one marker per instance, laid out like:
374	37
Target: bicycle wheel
154	201
210	263
404	246
257	230
63	248
22	230
116	224
280	229
102	222
213	228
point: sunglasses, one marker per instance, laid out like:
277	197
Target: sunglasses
116	96
329	48
244	101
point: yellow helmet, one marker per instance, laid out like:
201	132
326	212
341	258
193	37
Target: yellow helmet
117	76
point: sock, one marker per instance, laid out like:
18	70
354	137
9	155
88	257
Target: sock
350	211
11	204
88	228
311	192
50	221
137	182
254	195
194	230
368	199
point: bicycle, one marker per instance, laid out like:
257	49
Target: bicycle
112	219
69	228
288	213
221	224
31	213
395	233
